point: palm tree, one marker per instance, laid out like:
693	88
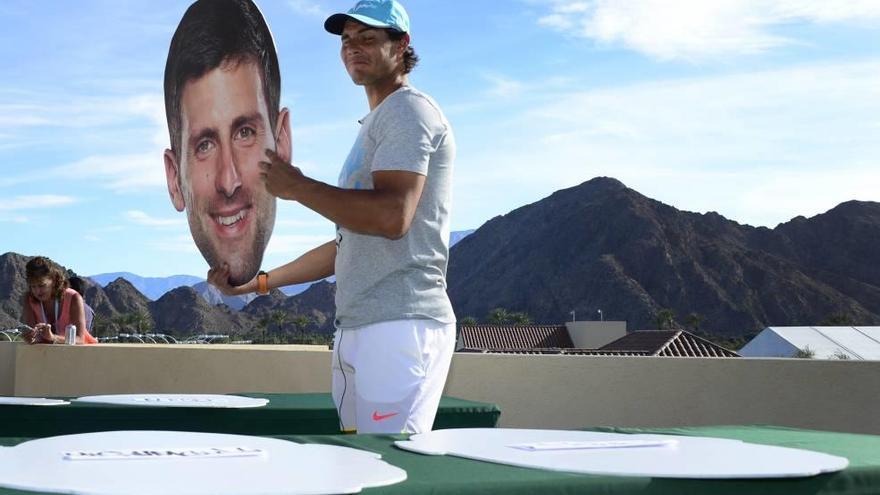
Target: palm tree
693	321
520	318
665	319
279	318
300	322
262	325
142	321
499	316
468	320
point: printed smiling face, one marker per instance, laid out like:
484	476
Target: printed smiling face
225	129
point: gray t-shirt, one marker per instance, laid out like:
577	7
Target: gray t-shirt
379	279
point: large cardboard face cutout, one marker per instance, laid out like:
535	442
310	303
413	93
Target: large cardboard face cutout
222	107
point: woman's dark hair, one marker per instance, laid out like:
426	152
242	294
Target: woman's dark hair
410	59
41	266
78	284
210	34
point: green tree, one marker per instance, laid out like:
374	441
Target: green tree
665	319
498	316
838	320
300	322
99	325
805	353
279	318
693	321
520	318
839	354
468	320
262	325
142	321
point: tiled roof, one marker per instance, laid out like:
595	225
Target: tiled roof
672	343
569	352
501	337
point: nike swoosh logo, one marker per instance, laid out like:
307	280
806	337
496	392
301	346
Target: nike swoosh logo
380	417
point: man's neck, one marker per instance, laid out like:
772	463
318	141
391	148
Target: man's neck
376	93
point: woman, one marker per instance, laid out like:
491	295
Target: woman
50	305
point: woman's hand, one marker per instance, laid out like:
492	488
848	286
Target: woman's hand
30	336
43	332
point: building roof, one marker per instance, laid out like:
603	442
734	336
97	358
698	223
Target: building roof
671	343
825	342
554	339
500	337
569	352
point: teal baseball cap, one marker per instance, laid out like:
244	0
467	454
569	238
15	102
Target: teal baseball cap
386	14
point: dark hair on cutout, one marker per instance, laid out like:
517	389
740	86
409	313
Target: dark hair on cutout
212	33
41	266
410	59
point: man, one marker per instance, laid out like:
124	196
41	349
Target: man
222	91
395	326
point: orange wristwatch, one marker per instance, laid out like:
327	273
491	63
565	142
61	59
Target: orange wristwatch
262	283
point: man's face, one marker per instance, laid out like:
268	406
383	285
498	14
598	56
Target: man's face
225	129
369	55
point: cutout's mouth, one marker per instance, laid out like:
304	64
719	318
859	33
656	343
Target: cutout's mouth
232	222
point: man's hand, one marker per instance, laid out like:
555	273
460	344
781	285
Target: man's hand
219	278
281	178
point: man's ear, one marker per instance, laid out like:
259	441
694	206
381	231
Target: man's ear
282	138
172	175
404	44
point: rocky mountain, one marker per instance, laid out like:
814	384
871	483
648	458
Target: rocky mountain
152	287
601	245
317	303
182	311
214	297
13	286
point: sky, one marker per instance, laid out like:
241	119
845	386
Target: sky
760	110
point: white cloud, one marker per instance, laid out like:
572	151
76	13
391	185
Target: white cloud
28	118
759	147
141	218
119	173
503	87
294	245
14	219
697	29
308	8
179	244
35	202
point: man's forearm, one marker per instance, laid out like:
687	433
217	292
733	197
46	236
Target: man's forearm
365	211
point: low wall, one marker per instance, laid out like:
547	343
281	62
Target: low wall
533	391
7	368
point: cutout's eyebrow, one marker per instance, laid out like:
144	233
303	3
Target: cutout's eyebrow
253	120
204	133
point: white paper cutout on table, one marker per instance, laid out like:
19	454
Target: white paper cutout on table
690	457
177	400
286	467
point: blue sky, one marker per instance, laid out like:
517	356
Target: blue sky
760	110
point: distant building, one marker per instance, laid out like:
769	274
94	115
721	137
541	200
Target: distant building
823	342
606	339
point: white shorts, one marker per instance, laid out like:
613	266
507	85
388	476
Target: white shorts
388	377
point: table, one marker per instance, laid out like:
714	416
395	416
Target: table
286	414
450	475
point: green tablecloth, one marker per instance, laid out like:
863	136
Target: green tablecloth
439	475
286	414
